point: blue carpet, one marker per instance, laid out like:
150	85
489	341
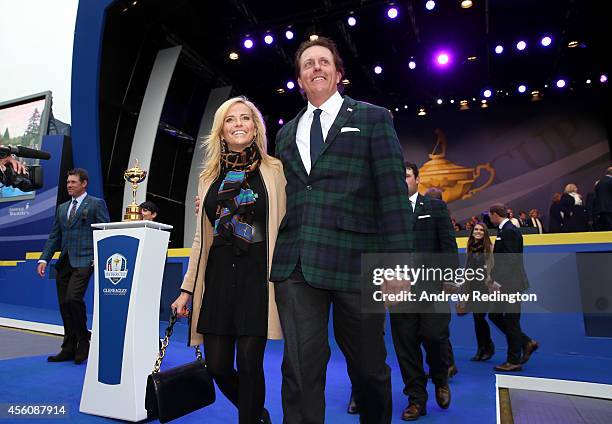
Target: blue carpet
34	381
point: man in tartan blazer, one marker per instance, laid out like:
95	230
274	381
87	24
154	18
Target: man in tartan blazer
346	195
73	236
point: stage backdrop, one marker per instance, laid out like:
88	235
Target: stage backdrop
516	152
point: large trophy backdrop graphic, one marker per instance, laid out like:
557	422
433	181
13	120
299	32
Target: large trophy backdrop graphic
454	180
135	176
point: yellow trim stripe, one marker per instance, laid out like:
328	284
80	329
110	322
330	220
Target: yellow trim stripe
529	240
179	253
36	255
556	239
10	263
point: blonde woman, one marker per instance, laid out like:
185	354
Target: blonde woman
573	212
242	192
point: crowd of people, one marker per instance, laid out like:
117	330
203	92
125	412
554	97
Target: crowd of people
569	211
278	249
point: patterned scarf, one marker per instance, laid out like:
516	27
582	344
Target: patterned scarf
477	247
235	200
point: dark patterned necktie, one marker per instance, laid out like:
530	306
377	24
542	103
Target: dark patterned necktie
73	209
316	136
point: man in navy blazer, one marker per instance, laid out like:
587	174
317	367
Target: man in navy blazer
72	235
603	201
421	322
509	276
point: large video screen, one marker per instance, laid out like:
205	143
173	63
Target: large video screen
23	122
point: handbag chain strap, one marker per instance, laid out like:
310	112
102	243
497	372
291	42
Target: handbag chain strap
166	340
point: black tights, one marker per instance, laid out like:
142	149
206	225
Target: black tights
245	388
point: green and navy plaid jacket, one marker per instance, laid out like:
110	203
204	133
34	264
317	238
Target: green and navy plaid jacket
75	238
354	201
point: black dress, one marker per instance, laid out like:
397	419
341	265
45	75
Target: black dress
574	215
236	288
476	260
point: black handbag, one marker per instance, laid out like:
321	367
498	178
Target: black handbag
178	391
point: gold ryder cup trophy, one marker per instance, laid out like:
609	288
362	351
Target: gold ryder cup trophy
135	176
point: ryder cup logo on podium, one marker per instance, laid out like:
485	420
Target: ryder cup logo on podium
116	268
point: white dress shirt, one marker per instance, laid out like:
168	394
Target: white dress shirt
503	223
79	201
330	109
537	224
413	200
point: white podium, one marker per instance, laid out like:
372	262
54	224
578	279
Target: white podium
130	259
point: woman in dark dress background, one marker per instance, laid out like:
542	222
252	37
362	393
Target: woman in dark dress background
480	255
234	311
554	215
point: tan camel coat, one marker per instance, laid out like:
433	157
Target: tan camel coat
274	182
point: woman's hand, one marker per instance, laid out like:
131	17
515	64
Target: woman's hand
196	203
180	304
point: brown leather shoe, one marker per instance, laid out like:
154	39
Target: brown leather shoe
508	367
443	396
413	411
529	348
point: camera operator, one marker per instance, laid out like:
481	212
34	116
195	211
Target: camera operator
14	173
17	167
17	174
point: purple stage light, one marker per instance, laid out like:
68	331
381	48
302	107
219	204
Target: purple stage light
280	121
392	12
546	41
352	21
561	83
248	43
290	85
268	39
289	34
412	64
378	70
603	78
442	59
430	5
521	45
487	93
522	88
499	49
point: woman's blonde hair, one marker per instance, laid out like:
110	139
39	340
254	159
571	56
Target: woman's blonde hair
571	188
212	143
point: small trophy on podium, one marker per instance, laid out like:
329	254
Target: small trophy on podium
135	176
